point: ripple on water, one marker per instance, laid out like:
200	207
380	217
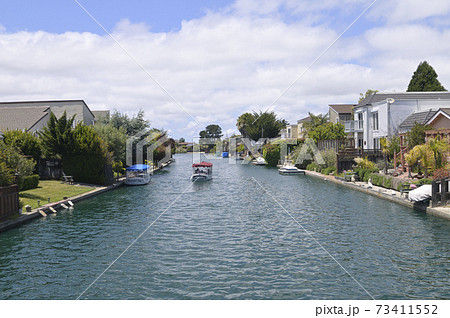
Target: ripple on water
229	239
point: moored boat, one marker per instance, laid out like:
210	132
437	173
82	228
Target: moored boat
201	171
138	175
259	161
289	168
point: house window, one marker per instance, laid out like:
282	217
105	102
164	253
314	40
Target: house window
360	143
375	120
376	143
360	120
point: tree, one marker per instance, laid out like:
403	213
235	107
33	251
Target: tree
439	148
416	136
328	131
181	140
14	163
316	120
425	79
26	142
260	125
87	159
212	131
57	137
367	94
131	125
115	138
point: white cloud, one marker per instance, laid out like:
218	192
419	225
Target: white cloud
223	64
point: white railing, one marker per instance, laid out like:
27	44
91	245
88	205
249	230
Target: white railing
353	126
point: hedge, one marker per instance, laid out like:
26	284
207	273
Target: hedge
28	182
328	170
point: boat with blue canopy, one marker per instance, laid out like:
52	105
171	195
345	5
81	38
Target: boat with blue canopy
138	174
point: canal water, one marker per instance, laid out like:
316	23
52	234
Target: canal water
249	233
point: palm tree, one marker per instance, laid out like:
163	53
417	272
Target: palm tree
439	147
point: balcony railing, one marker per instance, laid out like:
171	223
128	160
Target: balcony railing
353	126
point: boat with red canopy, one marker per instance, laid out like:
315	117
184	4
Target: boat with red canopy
201	171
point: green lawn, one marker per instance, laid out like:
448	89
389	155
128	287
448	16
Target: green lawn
55	190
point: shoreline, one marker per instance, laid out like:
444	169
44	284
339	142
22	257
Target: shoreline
385	194
46	209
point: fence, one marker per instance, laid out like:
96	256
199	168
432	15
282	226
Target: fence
439	193
9	201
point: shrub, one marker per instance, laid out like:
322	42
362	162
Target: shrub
364	174
26	142
328	170
271	154
364	163
28	182
313	167
329	156
381	180
6	175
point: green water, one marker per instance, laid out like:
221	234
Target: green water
229	239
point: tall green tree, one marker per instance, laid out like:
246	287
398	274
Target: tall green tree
132	125
316	120
212	131
260	125
87	159
115	138
327	131
57	137
425	79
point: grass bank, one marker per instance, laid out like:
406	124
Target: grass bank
55	190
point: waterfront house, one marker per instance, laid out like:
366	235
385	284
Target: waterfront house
381	114
301	129
33	115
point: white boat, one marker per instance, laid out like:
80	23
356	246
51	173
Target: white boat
138	175
289	168
201	171
259	161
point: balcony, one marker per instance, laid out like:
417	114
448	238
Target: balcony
353	126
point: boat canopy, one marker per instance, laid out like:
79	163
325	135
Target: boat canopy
139	167
202	164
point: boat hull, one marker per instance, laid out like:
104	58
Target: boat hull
137	181
290	171
200	177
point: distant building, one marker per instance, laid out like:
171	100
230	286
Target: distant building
301	129
33	115
99	114
340	113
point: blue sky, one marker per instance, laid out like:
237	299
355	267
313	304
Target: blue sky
59	16
217	59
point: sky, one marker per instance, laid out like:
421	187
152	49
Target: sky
192	63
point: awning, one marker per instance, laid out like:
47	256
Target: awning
202	164
139	167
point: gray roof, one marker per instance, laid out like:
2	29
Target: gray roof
12	118
101	113
379	96
304	120
342	108
419	117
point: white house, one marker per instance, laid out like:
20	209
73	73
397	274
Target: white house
380	114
